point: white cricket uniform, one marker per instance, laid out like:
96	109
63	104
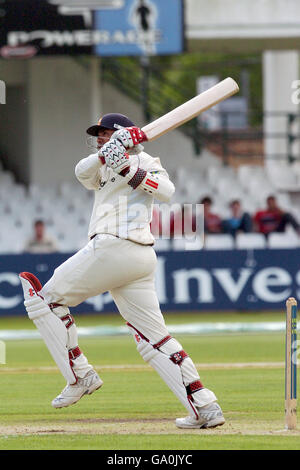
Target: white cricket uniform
119	258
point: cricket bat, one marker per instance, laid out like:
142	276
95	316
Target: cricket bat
190	109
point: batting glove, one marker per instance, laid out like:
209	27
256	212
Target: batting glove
115	156
129	136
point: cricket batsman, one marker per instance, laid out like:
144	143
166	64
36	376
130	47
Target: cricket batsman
118	258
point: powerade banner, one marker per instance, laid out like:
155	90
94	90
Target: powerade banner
98	27
205	280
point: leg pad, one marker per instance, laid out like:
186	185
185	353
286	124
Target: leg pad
167	369
52	330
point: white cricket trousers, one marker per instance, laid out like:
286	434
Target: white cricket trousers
125	269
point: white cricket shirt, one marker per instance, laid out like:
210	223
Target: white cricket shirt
119	209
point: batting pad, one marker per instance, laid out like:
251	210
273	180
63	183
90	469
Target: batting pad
168	371
51	328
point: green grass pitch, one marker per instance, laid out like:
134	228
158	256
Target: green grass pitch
134	410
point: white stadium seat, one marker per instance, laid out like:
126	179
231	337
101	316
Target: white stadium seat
215	173
246	173
284	200
283	177
260	188
283	240
162	244
196	190
250	241
249	205
184	244
218	242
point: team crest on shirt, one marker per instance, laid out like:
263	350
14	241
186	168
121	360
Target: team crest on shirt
103	183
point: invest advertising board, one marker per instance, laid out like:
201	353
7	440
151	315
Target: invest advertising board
189	281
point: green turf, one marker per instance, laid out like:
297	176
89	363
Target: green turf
134	409
22	322
135	442
122	350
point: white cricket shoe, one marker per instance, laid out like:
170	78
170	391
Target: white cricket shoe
72	393
210	416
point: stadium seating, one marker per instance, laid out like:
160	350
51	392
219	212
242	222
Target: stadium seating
162	244
283	240
219	242
250	241
187	244
66	209
283	178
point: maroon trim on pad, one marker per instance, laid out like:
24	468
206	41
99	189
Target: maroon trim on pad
178	357
138	332
74	353
162	342
194	387
69	319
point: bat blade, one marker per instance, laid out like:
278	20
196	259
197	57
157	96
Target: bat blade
191	109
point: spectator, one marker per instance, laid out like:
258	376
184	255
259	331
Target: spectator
174	224
183	222
40	242
239	221
155	225
212	222
274	219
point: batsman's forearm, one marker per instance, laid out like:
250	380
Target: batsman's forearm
157	185
86	171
